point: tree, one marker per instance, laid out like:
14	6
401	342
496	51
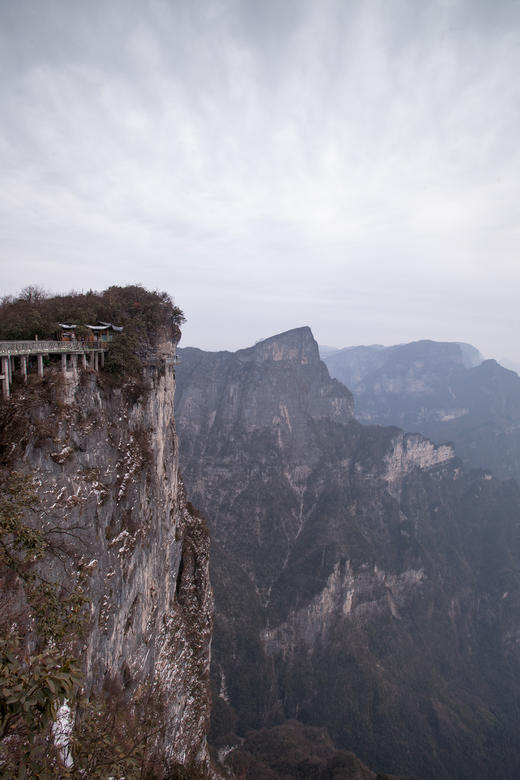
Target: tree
33	684
33	293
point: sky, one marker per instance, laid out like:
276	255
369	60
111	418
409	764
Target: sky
351	165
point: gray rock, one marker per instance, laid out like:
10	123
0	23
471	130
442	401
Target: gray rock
106	467
364	582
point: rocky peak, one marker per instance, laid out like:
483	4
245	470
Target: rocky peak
421	361
296	345
436	352
280	381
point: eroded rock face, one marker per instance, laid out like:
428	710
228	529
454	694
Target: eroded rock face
443	390
364	582
106	466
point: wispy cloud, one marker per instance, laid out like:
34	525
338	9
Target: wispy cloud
339	152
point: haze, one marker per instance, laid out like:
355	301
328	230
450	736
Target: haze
352	166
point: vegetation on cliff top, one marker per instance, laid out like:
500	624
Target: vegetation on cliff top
37	313
142	313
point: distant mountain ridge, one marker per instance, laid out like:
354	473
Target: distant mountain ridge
443	390
352	363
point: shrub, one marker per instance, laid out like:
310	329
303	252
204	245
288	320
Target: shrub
141	312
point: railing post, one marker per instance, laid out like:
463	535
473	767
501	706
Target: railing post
5	377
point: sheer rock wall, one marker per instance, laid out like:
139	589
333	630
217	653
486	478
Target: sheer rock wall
364	581
106	467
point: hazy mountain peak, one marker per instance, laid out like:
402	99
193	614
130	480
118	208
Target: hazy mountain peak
470	354
436	352
296	345
326	349
254	387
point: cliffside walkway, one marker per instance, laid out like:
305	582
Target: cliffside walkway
91	353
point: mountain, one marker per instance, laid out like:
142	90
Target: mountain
364	582
326	350
105	606
442	390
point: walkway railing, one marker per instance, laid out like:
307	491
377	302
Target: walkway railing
20	351
50	347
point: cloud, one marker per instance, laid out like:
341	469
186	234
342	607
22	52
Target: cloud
334	153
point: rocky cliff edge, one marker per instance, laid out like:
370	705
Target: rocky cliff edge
103	461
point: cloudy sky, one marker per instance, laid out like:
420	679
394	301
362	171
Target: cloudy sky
352	165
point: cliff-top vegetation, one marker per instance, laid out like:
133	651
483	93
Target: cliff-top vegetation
37	313
142	313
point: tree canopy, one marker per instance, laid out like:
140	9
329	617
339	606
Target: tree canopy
36	313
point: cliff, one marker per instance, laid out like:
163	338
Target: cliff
244	419
443	390
364	581
103	458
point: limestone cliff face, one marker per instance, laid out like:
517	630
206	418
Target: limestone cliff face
443	390
107	470
364	582
241	412
259	388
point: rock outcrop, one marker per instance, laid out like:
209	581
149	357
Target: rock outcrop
364	581
443	390
105	462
